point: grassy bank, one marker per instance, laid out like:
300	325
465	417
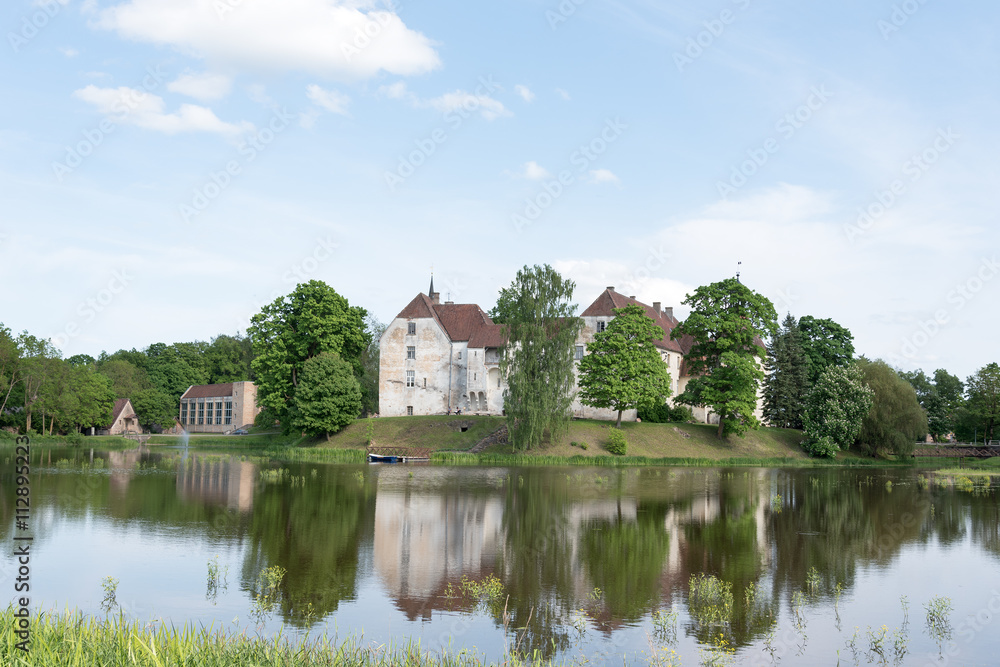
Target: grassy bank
451	437
72	640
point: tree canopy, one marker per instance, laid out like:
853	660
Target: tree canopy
328	396
983	408
313	319
787	381
896	419
540	328
727	322
835	408
622	368
825	343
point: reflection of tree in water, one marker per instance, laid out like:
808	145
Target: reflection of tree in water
726	547
314	531
537	561
625	559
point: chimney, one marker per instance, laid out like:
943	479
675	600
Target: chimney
656	307
449	303
632	296
611	288
436	298
669	311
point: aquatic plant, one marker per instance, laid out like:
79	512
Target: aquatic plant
218	579
266	591
938	623
813	581
110	586
665	625
710	599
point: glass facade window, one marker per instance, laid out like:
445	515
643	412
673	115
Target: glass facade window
229	412
208	417
218	413
201	412
184	412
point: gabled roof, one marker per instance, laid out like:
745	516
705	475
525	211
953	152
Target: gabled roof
459	320
608	300
123	408
208	390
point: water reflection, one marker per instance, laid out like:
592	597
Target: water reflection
607	546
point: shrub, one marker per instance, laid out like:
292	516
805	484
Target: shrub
617	444
663	414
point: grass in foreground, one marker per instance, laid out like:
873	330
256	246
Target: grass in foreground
74	640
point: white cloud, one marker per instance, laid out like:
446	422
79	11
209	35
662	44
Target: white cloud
524	92
532	170
137	107
562	93
328	37
205	86
459	100
331	100
598	176
69	52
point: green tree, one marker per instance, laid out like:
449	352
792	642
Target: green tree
93	398
154	408
313	319
328	396
370	364
540	328
787	377
228	359
126	379
36	370
940	397
10	365
983	391
622	368
174	368
727	322
825	343
835	408
896	419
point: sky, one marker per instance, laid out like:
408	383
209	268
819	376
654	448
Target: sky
167	167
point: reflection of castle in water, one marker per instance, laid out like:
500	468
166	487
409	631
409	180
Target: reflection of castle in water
209	480
434	531
425	538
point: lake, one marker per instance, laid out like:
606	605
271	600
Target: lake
751	566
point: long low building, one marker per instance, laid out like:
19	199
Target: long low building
218	408
437	358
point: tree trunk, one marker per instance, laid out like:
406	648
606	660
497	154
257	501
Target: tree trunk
52	423
619	424
720	427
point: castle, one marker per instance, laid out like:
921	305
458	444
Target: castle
438	358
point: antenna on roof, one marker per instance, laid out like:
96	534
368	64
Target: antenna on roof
738	271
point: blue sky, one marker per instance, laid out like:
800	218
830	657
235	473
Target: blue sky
168	166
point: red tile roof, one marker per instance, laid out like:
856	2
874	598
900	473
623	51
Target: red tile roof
208	390
606	303
490	335
459	320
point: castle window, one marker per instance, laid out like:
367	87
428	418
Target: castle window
579	352
601	326
411	352
410	378
411	328
425	383
459	354
409	410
